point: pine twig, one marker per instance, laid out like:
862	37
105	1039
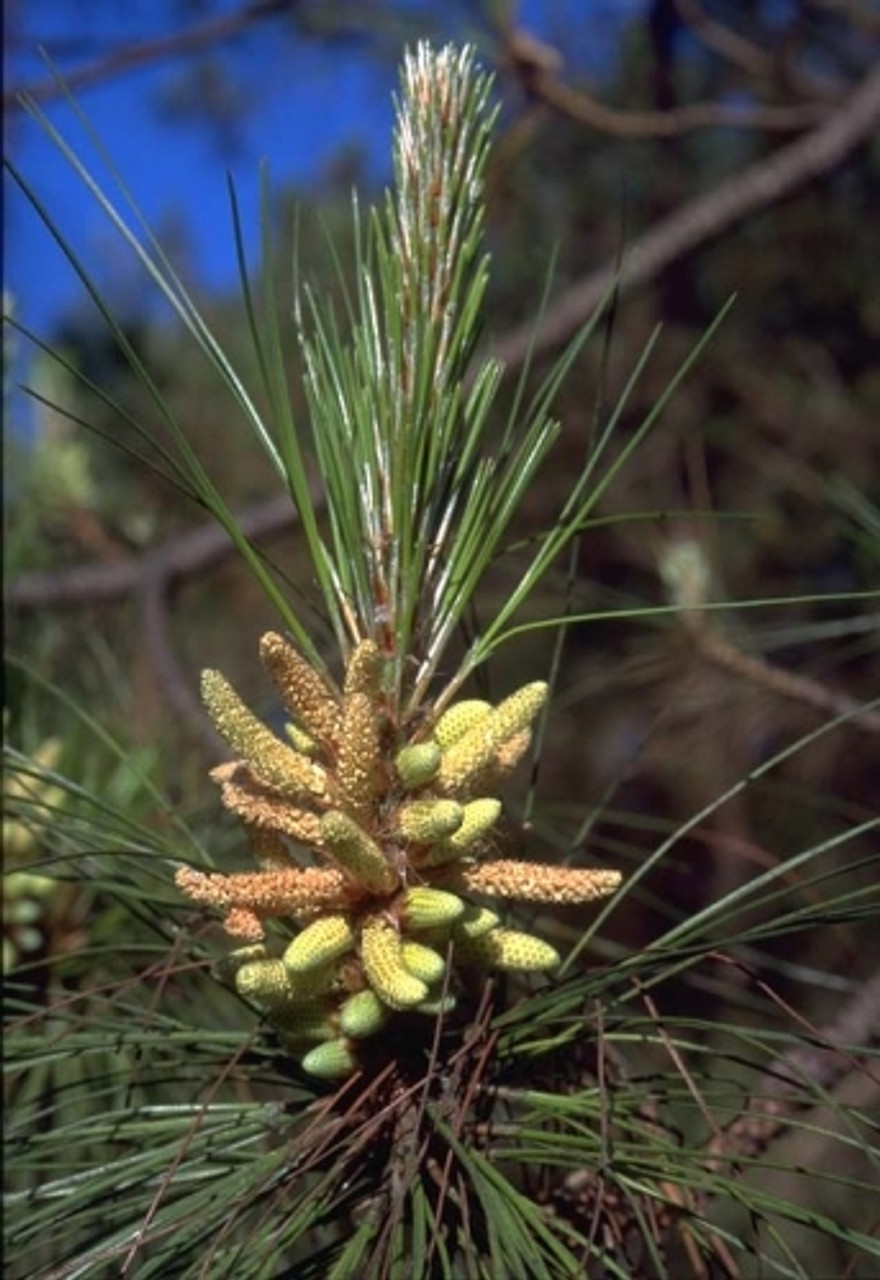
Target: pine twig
716	649
535	66
703	219
151	579
821	1061
187	40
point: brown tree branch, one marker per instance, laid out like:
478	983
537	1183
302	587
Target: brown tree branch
734	48
826	1058
715	648
189	40
151	579
860	13
585	109
179	558
535	67
753	58
703	219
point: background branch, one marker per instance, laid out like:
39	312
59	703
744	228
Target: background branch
754	190
179	558
189	40
535	66
823	1060
151	579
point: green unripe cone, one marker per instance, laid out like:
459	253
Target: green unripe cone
424	908
423	962
424	821
458	720
417	764
357	853
331	1060
362	1014
321	941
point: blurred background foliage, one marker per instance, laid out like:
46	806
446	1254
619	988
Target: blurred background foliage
761	479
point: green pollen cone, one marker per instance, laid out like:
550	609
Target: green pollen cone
424	821
475	922
443	1004
321	941
479	817
357	852
384	967
458	720
266	982
507	949
301	741
306	1023
228	966
332	1060
424	908
363	1014
271	984
417	764
422	962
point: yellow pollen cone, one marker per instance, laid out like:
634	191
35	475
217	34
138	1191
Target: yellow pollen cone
363	673
330	1061
307	697
507	949
277	765
424	821
323	940
359	763
533	881
384	967
458	720
518	710
357	853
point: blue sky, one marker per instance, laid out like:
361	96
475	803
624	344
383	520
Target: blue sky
304	102
311	101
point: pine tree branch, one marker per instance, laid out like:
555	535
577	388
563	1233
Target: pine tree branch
723	40
716	649
173	561
822	1062
536	67
186	41
151	579
706	217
